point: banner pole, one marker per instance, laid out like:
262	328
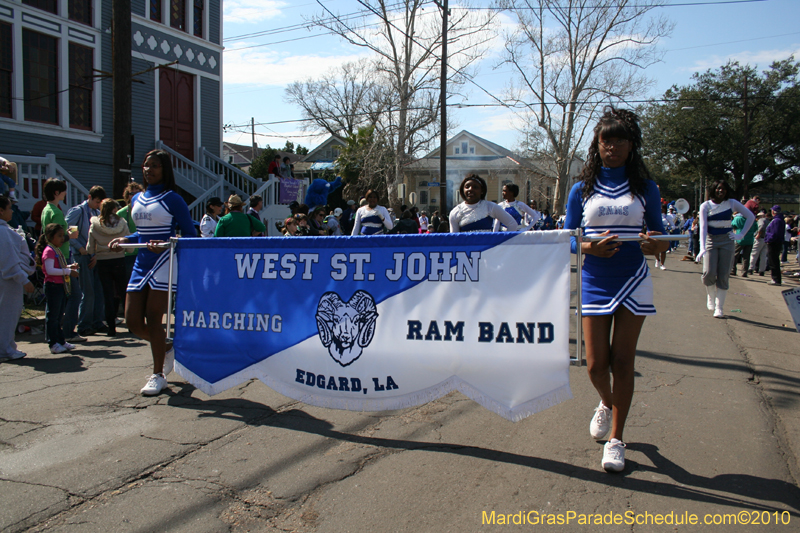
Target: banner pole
172	242
579	299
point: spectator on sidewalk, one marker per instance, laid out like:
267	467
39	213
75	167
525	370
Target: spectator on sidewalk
90	312
209	222
110	263
333	223
237	223
256	204
744	247
774	239
758	257
55	191
16	264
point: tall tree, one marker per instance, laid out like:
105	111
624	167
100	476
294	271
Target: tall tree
405	41
730	123
573	56
344	99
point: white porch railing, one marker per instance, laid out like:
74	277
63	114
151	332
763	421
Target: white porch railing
33	171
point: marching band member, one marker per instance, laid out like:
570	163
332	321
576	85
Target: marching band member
525	217
475	213
614	197
157	211
372	219
717	241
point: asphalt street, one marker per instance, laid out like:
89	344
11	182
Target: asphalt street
713	433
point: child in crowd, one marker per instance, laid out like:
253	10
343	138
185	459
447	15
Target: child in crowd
56	284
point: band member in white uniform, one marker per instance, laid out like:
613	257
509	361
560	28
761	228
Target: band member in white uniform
614	197
524	216
372	219
717	241
157	212
475	213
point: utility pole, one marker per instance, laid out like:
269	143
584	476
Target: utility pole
253	134
121	89
443	99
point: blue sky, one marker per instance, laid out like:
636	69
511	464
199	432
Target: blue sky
705	37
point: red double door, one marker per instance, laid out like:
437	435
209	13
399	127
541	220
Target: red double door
176	111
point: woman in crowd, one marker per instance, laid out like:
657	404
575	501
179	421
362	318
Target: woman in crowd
211	218
523	215
716	241
476	213
290	227
157	211
57	287
372	219
615	191
16	265
316	222
423	222
110	264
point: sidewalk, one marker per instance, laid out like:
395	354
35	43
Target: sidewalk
714	430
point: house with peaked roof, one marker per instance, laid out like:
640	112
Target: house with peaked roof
467	153
321	158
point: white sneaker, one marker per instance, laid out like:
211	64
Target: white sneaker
662	267
600	426
16	354
57	348
69	346
76	338
658	263
155	385
614	456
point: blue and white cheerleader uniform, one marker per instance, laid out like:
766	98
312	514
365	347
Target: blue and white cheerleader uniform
524	216
370	221
623	278
480	216
157	213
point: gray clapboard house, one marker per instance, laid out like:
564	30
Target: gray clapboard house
56	112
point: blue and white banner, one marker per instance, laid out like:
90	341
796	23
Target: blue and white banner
378	323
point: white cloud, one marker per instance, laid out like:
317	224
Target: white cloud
760	58
259	66
251	11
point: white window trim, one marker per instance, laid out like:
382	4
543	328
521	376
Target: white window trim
166	28
62	129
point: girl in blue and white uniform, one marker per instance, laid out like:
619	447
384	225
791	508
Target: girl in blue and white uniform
615	197
475	213
524	216
157	213
372	219
717	238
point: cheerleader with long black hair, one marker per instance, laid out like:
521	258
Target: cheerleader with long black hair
614	197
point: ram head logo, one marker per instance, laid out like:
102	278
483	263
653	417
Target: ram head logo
346	328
